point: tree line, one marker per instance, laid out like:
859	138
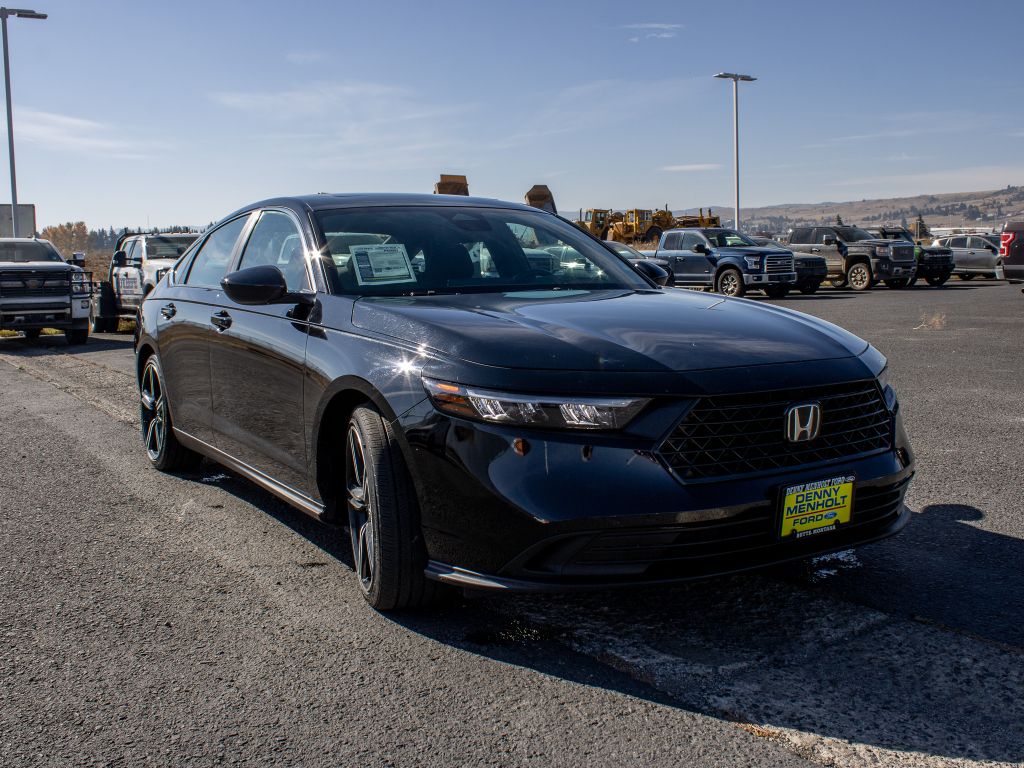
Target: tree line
97	244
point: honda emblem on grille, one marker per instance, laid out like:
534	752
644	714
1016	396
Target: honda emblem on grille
803	422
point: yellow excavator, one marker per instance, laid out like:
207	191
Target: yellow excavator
596	221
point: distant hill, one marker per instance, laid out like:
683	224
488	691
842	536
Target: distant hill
981	209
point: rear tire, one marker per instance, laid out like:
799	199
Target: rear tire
387	545
838	282
164	451
966	275
897	283
777	291
729	282
32	334
938	280
859	276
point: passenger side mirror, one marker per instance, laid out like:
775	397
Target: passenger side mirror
120	258
651	271
700	248
264	284
829	240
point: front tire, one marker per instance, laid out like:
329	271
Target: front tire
777	291
938	280
162	447
809	289
32	334
387	546
897	283
838	282
730	283
76	336
859	276
966	275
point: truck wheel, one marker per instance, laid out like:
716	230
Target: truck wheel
937	280
838	282
777	291
809	289
966	275
162	447
99	324
654	235
76	336
859	276
897	283
730	282
32	333
912	281
383	519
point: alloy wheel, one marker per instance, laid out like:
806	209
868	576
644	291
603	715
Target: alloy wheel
360	506
859	277
729	284
154	411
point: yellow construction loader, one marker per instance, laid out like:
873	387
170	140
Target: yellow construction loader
596	221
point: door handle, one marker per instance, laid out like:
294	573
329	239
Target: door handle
168	311
970	253
222	320
815	250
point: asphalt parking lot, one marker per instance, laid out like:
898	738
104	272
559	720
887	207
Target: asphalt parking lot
151	619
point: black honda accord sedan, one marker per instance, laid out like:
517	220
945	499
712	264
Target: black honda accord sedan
486	396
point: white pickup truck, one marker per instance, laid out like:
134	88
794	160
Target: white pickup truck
138	263
38	289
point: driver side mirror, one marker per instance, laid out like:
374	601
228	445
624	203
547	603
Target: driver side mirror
700	248
651	271
829	240
264	284
120	259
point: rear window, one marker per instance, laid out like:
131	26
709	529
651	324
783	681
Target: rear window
22	253
168	247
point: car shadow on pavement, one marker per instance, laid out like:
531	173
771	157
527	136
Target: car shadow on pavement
872	653
57	343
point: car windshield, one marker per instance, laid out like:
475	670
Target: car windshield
409	250
168	247
727	238
853	234
22	253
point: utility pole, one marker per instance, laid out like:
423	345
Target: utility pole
736	136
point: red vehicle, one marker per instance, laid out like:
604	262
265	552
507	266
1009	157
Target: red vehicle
1011	250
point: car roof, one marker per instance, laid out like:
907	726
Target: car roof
332	201
24	240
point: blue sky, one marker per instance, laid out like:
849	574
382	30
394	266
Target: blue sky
158	112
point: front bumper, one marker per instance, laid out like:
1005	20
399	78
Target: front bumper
27	313
887	270
579	511
769	278
934	267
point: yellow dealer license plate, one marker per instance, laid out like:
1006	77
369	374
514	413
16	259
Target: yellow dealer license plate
817	507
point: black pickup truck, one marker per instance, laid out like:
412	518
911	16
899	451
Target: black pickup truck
934	262
855	257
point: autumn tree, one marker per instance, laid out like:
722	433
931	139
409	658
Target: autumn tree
68	238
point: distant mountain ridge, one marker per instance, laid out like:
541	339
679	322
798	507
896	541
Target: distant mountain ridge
989	208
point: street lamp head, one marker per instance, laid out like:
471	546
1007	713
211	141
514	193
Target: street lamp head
21	13
734	76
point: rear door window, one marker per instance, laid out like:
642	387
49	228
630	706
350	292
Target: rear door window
800	236
214	257
958	242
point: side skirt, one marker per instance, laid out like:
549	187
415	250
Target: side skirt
298	500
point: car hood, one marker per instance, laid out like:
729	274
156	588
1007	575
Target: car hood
620	330
38	266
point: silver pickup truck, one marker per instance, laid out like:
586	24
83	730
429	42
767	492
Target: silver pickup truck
38	289
138	263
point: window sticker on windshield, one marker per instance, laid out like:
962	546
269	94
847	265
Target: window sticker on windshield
382	264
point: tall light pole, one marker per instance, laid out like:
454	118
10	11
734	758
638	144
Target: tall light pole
18	13
736	133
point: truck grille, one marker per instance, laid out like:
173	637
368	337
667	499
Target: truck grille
743	434
32	283
778	264
902	252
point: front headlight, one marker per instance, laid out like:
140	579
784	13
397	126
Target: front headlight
887	390
882	251
554	412
80	283
753	262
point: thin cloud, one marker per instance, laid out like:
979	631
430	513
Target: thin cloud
67	133
691	167
660	35
653	25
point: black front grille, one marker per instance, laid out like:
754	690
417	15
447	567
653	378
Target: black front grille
778	264
902	253
744	434
30	283
692	549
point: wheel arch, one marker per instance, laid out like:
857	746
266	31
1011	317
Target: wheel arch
146	350
331	418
